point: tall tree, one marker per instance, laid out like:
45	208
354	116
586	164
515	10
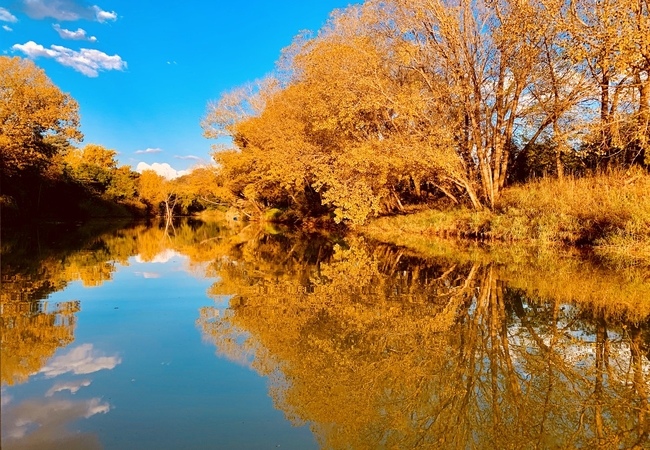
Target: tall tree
32	109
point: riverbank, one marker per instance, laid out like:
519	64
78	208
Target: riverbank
609	213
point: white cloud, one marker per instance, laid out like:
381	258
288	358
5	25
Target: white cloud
79	35
149	275
34	50
42	423
191	157
5	398
66	10
57	9
149	150
72	386
164	170
87	61
160	258
6	28
80	361
6	16
102	16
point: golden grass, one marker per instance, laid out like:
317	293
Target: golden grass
610	212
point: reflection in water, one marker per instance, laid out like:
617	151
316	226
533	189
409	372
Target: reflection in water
31	332
41	424
372	345
72	386
34	266
379	349
80	360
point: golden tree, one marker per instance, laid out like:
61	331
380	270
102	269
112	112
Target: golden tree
32	109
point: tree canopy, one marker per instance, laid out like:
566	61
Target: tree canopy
33	113
395	101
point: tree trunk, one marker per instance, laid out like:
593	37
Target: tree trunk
559	148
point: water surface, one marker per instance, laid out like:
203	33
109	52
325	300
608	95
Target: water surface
201	335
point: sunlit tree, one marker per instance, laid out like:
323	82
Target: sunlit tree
32	109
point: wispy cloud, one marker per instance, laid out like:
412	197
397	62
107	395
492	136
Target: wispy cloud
72	386
80	361
149	150
6	16
79	35
6	28
87	61
164	170
66	10
102	16
190	157
149	274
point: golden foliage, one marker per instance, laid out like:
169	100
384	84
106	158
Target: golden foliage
377	348
31	108
393	101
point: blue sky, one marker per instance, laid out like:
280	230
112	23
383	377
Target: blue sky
153	65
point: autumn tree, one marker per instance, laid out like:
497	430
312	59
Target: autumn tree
610	40
155	190
395	101
92	166
391	96
32	110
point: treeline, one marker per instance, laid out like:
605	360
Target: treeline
46	176
402	101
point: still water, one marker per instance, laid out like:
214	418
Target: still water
202	335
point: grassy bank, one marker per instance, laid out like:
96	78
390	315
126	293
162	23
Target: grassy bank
609	212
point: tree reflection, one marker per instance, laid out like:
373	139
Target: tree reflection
373	345
31	333
377	348
38	262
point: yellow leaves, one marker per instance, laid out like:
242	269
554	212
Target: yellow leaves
99	156
379	348
151	187
31	107
393	98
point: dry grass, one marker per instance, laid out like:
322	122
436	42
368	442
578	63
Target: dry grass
610	212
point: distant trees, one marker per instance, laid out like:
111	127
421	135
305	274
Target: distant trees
44	175
155	190
393	101
96	168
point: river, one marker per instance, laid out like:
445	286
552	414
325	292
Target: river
225	336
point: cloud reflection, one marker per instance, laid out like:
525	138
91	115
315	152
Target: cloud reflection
5	398
80	361
41	424
161	258
149	274
72	386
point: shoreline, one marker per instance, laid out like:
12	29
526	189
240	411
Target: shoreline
606	214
